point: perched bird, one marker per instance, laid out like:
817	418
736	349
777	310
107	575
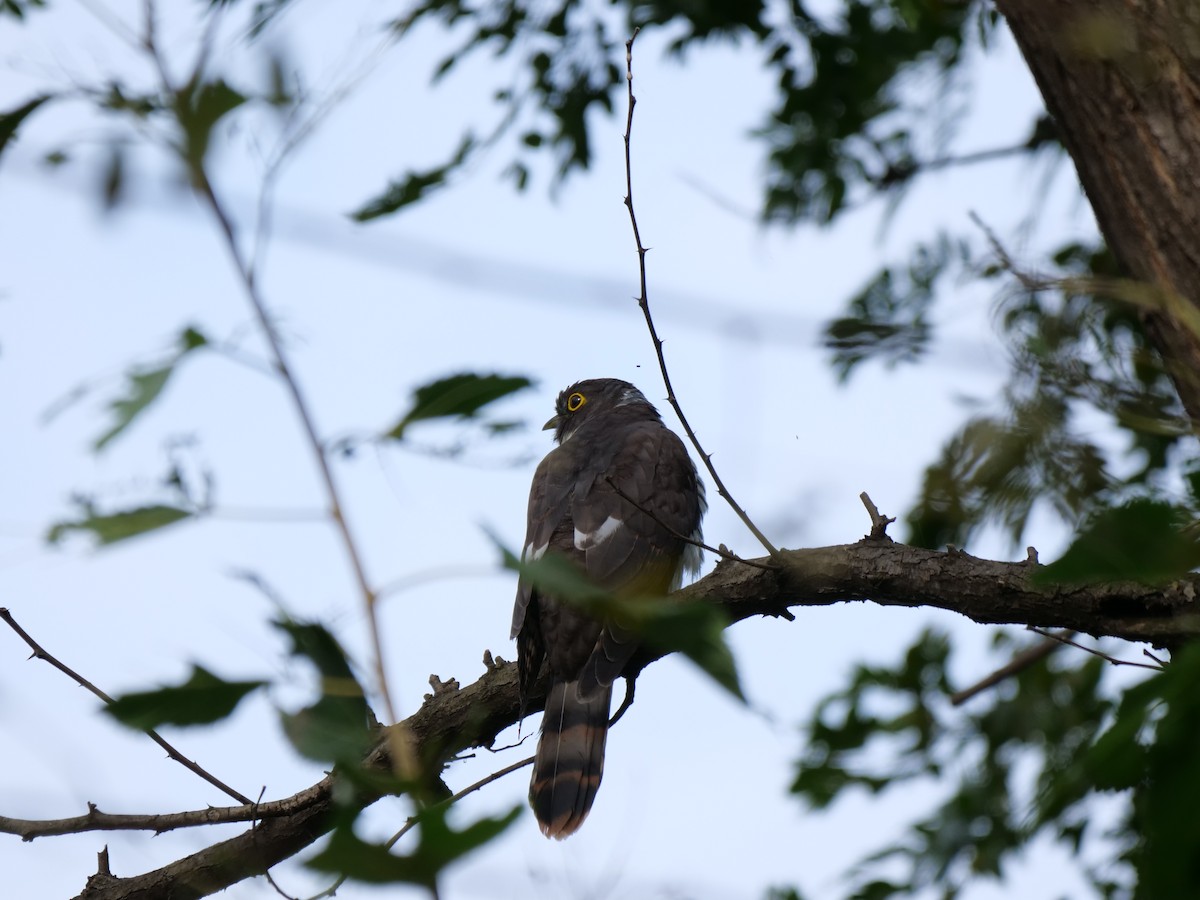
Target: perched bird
611	442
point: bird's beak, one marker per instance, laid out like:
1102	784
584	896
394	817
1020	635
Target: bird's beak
551	425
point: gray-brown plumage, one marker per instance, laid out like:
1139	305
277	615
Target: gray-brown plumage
605	429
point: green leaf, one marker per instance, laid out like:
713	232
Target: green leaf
695	629
1140	541
201	700
110	528
414	186
11	121
198	109
337	727
18	9
460	396
144	385
438	846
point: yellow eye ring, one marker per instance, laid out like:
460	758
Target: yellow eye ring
575	401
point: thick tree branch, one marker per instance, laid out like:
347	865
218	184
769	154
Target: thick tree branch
885	573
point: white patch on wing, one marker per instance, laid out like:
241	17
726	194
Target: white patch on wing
531	553
590	539
689	562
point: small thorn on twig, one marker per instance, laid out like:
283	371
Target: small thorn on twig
492	663
102	865
879	522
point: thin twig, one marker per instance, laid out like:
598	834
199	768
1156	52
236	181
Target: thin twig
718	551
1092	650
449	801
40	653
1028	657
644	303
400	740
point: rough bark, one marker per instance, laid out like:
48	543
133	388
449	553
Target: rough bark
875	570
1122	81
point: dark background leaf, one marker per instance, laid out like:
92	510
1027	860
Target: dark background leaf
1141	541
337	727
111	528
201	700
438	846
458	396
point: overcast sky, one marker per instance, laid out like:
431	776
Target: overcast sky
478	278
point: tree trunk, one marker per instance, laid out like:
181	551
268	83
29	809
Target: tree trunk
1122	80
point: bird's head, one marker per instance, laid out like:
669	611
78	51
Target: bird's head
585	401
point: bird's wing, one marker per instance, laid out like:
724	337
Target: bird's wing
631	523
549	506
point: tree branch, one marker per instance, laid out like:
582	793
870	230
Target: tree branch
885	573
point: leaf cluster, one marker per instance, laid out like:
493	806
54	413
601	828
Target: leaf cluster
894	726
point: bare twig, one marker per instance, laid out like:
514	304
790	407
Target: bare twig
1028	657
40	653
717	551
1062	639
879	522
644	303
402	753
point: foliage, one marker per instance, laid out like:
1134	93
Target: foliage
978	759
842	118
1075	355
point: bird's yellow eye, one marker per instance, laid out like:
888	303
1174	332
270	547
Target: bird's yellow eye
575	401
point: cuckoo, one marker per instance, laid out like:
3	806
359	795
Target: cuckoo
619	497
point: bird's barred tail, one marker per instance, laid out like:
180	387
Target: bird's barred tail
570	758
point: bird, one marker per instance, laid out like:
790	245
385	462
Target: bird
620	498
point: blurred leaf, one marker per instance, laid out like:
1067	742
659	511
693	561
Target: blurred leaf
110	528
694	629
113	184
337	728
18	9
1140	541
887	319
995	469
414	186
201	700
144	385
459	396
438	845
198	108
11	121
